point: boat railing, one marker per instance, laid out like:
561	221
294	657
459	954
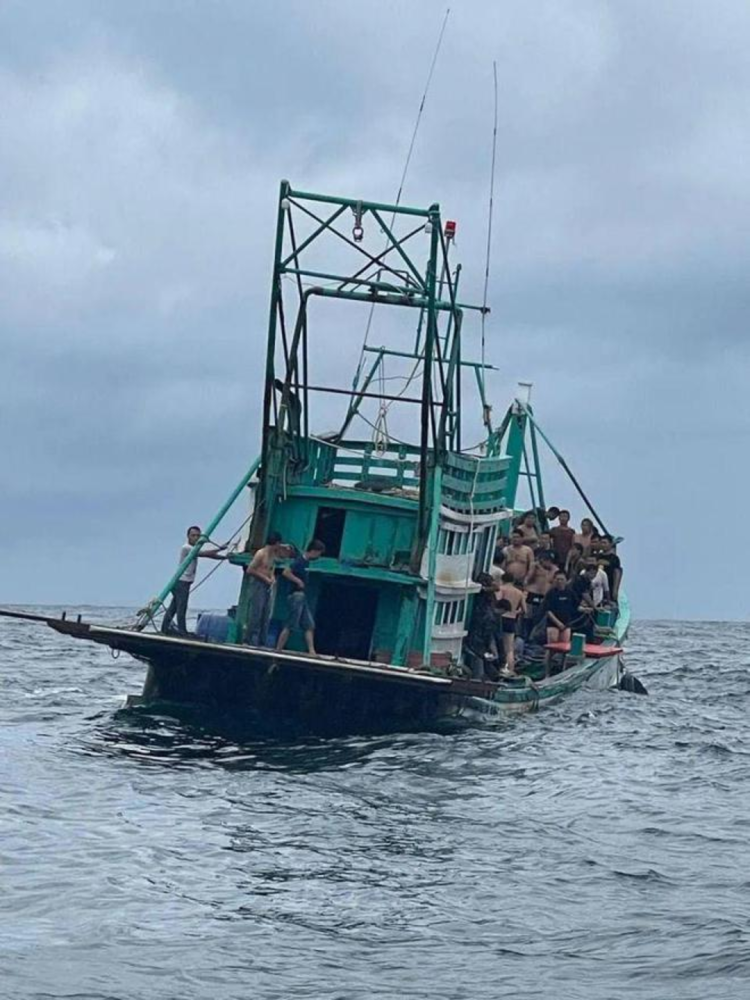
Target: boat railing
393	465
470	484
475	485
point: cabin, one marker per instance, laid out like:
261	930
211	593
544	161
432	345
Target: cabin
369	596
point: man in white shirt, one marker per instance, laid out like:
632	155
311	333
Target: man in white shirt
181	589
599	587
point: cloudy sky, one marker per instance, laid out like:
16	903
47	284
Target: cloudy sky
141	145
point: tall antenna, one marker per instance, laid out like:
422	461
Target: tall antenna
405	171
489	219
421	106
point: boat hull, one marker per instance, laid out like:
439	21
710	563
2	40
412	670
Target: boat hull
281	697
285	693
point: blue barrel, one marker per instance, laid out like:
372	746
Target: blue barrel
214	628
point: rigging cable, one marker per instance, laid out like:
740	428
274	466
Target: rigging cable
489	220
162	606
404	173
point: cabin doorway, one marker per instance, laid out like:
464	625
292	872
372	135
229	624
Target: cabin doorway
345	619
329	529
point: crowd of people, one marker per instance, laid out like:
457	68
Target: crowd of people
547	581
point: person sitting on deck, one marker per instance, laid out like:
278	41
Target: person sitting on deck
560	607
581	587
562	538
181	589
519	558
587	535
300	616
513	602
261	588
574	562
606	554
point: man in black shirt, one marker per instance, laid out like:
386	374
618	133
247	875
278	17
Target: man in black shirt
581	584
610	563
560	608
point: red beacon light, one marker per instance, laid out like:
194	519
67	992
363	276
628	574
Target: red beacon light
450	230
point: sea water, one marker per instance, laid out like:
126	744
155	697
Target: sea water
599	849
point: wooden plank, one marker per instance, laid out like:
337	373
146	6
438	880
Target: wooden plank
456	461
463	487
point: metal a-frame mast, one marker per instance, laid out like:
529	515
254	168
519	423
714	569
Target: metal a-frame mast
387	275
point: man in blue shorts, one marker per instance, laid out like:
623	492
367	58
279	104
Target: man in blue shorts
300	617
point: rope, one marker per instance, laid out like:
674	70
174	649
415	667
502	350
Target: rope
565	466
380	434
154	607
471	530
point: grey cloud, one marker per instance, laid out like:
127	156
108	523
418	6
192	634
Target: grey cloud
142	145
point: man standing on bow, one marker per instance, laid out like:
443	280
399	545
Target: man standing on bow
181	589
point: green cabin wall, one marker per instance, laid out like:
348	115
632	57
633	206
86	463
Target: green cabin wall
378	538
372	534
376	545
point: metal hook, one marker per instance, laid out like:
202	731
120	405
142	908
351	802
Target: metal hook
357	230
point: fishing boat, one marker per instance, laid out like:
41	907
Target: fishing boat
410	514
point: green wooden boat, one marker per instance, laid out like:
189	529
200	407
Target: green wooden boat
409	517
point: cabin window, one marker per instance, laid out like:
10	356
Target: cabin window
484	549
329	528
453	542
449	612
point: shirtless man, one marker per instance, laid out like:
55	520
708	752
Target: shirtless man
541	576
519	558
261	588
515	606
587	535
538	586
562	538
527	527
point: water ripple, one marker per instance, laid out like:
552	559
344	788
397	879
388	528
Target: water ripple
596	850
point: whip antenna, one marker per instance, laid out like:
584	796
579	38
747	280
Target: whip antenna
489	219
421	106
415	131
